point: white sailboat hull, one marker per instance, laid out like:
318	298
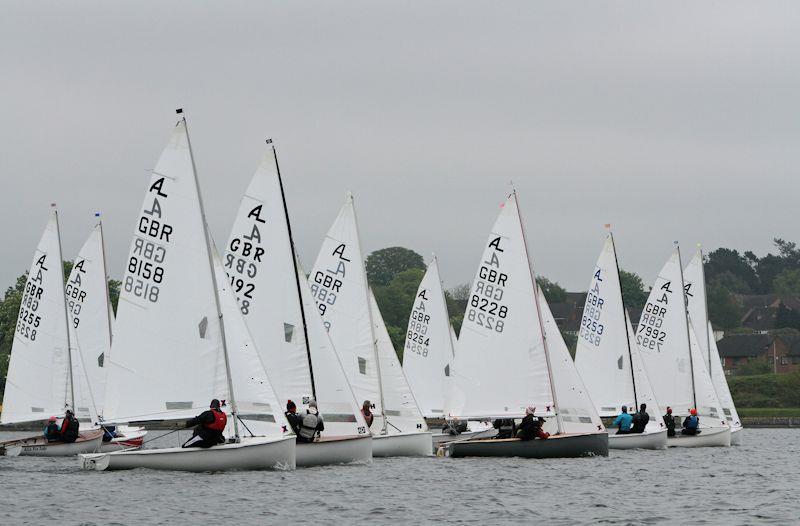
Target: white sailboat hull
736	436
402	445
653	440
250	454
709	437
38	446
335	450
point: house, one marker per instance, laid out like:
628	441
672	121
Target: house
761	311
781	351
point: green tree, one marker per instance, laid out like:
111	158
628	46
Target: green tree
553	292
787	283
633	290
396	301
726	260
787	318
760	365
384	264
724	309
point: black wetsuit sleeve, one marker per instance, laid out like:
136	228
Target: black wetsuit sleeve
206	417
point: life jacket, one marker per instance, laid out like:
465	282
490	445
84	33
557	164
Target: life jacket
308	428
220	420
70	429
692	422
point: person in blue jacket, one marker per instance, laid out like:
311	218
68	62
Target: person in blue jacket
624	421
691	423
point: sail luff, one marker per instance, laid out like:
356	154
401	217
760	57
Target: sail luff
214	283
296	274
706	321
105	281
624	316
539	316
688	328
447	312
70	378
384	429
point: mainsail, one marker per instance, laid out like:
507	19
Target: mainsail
429	342
694	275
38	382
339	286
90	324
501	366
259	262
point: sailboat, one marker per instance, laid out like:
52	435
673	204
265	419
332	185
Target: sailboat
428	351
511	356
339	286
179	338
695	277
275	301
90	322
675	366
608	360
40	374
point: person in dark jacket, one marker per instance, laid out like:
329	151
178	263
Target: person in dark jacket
295	420
311	424
640	419
69	428
531	426
691	424
506	427
109	433
208	427
669	421
51	432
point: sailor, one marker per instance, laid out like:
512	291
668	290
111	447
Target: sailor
691	423
367	413
531	426
624	421
109	431
292	417
669	421
69	428
455	427
311	424
51	431
640	419
506	428
209	426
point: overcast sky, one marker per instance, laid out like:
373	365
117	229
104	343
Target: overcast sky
672	121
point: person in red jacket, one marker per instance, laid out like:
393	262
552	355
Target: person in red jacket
209	426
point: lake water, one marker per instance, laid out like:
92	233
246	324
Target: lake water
754	483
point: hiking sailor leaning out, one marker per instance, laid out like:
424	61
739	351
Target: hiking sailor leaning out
209	426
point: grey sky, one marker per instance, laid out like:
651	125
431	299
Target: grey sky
668	120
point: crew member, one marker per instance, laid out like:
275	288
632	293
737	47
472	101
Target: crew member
640	419
367	412
311	424
292	417
624	421
51	431
531	426
69	427
209	426
669	421
506	427
691	423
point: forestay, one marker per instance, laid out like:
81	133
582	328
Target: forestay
644	389
37	384
402	412
339	287
694	277
708	405
602	354
428	347
662	337
500	366
165	360
90	324
259	263
575	407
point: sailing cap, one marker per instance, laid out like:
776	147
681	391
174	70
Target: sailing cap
214	403
530	410
51	419
693	412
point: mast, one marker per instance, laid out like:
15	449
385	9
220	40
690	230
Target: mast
686	317
234	413
624	317
444	301
371	323
296	272
539	315
66	314
705	308
105	279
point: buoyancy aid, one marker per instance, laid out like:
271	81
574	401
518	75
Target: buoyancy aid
308	428
692	422
220	420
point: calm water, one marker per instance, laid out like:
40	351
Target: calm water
754	483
